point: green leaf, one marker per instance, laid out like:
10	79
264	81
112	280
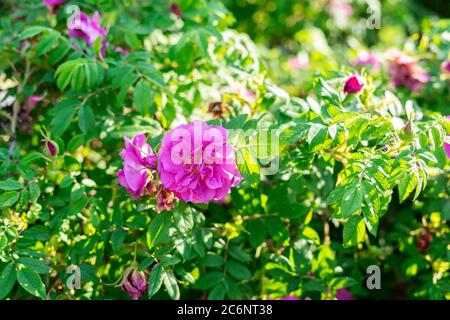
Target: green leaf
86	118
35	192
311	234
317	135
7	199
10	184
62	114
155	280
35	265
7	280
239	254
232	289
213	260
158	230
238	270
47	42
171	285
209	280
31	282
30	157
351	201
143	97
75	142
217	293
354	231
31	32
117	239
406	185
248	166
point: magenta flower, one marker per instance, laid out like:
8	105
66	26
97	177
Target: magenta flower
447	145
406	72
353	85
32	101
197	164
138	160
343	294
134	283
53	5
83	27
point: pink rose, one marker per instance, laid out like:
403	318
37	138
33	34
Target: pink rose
53	5
406	72
197	164
353	85
138	160
88	29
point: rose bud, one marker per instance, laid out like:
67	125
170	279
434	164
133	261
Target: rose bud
51	147
175	9
353	85
424	240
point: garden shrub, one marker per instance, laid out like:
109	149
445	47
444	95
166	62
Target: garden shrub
151	150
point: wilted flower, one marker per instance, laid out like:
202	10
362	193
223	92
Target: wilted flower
353	85
343	294
406	72
138	160
53	5
197	164
164	199
88	29
218	109
134	283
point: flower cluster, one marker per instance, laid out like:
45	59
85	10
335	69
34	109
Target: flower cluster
195	163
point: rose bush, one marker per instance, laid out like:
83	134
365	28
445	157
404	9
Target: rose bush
150	150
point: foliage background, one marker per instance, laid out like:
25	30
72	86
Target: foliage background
277	235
